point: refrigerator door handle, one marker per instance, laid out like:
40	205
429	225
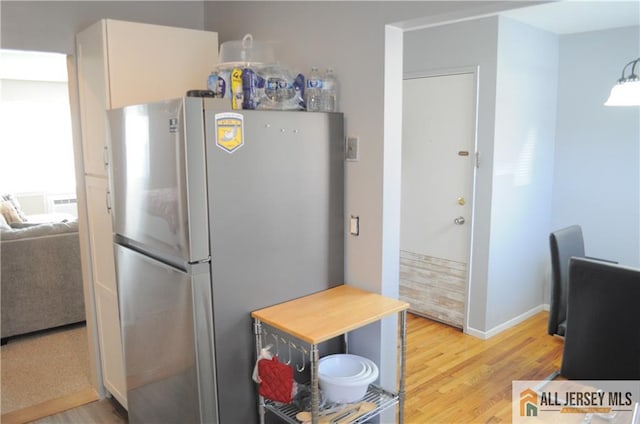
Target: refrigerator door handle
205	352
201	261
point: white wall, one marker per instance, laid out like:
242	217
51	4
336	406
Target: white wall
525	123
597	155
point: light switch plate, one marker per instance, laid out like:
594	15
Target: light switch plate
352	148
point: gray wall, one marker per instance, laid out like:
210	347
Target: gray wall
309	33
516	122
350	37
597	155
525	124
50	26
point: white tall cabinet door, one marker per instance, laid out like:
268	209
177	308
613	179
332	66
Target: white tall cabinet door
167	61
105	289
124	63
121	63
94	97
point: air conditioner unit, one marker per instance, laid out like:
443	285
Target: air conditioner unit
63	204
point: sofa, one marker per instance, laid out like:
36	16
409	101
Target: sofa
41	275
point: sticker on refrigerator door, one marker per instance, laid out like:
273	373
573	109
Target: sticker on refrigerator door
173	125
229	131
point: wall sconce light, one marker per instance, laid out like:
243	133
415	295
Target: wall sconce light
626	92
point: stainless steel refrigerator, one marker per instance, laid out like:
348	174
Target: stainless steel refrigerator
216	213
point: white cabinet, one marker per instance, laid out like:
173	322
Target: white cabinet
93	96
105	290
121	63
100	222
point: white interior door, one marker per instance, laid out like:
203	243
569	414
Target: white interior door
438	162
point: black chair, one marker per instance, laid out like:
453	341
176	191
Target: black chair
602	340
564	243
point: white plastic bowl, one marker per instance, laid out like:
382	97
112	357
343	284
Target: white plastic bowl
341	366
336	383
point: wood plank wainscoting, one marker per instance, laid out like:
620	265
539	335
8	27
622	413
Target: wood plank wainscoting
434	287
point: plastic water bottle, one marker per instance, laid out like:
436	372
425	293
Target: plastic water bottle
212	81
329	92
313	95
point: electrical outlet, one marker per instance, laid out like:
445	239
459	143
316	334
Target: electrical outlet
352	148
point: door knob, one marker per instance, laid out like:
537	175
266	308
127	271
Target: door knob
459	220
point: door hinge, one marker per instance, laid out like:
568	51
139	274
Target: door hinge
108	199
477	159
105	156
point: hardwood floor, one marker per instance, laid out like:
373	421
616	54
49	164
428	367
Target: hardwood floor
456	378
50	407
104	411
452	378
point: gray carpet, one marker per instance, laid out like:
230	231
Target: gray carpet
42	367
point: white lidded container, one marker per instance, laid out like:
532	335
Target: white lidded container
345	378
245	52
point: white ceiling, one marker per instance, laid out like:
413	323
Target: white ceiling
570	16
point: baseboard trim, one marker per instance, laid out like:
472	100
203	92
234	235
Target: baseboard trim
484	335
50	407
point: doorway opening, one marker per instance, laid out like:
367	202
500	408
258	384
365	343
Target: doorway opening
37	161
438	180
44	358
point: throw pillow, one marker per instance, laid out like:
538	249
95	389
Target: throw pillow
9	212
3	223
14	201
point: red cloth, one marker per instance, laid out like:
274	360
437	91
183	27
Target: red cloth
276	380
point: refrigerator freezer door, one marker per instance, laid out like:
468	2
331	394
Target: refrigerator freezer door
168	360
158	179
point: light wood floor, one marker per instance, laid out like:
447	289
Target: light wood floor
50	407
451	377
104	411
456	378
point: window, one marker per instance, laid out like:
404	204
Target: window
36	145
